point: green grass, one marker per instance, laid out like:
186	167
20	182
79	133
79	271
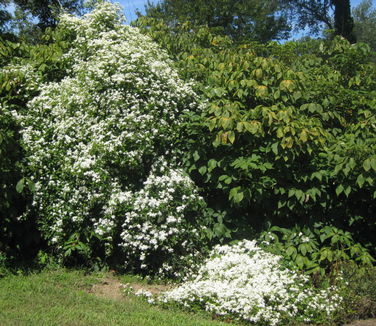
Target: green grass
61	298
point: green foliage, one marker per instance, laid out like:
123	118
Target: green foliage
311	14
365	23
15	236
46	11
23	66
240	20
5	17
316	14
11	203
292	129
321	251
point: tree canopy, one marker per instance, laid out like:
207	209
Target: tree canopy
45	10
317	13
241	20
5	17
365	23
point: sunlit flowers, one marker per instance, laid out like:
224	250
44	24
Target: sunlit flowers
245	282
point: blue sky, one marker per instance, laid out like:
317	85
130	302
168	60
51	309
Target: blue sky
130	6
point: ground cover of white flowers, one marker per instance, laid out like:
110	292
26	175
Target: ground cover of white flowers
245	282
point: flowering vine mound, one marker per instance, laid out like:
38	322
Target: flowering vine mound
92	139
248	283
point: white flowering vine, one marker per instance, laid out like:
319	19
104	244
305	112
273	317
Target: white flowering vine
166	223
92	137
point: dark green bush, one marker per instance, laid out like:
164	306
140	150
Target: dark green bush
19	237
288	131
16	236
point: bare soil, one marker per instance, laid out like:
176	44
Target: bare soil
367	322
111	288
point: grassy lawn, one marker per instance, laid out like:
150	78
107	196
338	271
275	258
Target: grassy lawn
62	298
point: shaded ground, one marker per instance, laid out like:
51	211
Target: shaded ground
368	322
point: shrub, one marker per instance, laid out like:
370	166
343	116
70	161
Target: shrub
321	251
288	133
19	238
24	67
246	282
92	136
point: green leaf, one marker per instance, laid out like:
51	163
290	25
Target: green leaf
240	126
236	195
280	133
303	249
223	177
317	175
20	185
31	185
373	163
291	193
277	94
275	148
299	261
196	156
251	127
231	137
303	136
299	194
212	164
367	165
347	191
339	190
291	251
360	180
202	170
281	204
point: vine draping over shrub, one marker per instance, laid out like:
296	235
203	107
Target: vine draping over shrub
92	136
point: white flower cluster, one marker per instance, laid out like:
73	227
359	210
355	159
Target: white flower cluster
147	295
165	226
128	289
92	137
248	283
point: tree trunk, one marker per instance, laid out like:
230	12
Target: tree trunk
343	22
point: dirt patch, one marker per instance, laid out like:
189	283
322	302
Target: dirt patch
109	288
367	322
